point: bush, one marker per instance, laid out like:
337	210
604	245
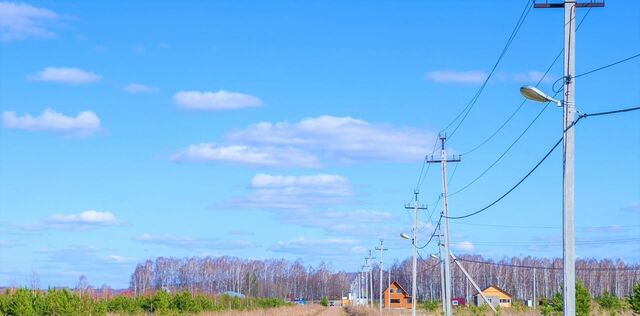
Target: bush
634	300
324	301
583	302
609	302
430	305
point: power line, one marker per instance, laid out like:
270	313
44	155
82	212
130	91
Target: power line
554	243
545	227
607	66
467	109
637	268
545	157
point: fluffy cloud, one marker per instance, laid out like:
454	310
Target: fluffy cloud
291	192
352	223
344	138
65	75
452	76
135	88
86	217
19	21
464	246
221	100
84	123
632	208
191	242
82	221
241	154
319	247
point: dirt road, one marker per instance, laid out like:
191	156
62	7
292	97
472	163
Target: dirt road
332	311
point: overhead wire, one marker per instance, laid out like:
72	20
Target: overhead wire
543	267
510	117
467	109
584	115
607	66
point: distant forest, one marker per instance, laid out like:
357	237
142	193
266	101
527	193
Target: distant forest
293	279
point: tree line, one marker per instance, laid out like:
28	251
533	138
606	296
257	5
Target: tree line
293	279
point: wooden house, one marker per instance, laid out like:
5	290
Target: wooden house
395	296
495	295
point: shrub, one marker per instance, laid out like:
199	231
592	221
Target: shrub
324	301
430	305
634	299
609	302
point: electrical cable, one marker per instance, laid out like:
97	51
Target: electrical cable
607	66
467	109
544	158
525	100
546	268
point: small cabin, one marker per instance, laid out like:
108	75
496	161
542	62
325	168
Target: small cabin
395	296
458	301
495	295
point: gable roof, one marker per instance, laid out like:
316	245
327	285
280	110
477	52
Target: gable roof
497	288
399	286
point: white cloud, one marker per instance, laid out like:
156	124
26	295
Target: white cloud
318	247
84	123
117	259
344	138
241	154
139	88
531	76
90	219
291	192
632	208
221	100
453	76
65	75
464	246
19	21
86	217
352	223
191	242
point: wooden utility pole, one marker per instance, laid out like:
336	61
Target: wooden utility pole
382	250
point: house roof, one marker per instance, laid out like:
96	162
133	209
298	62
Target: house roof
497	288
400	286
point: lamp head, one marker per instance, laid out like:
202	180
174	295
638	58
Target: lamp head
533	93
405	236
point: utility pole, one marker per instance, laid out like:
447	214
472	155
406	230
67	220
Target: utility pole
382	250
534	288
442	296
568	211
414	288
447	249
370	265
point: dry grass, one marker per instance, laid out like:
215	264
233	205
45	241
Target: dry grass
297	310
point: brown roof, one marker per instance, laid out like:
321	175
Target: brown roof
400	286
497	288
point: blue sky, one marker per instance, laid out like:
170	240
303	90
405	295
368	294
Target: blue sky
296	130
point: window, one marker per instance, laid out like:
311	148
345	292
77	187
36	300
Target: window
454	303
395	301
408	300
505	300
390	290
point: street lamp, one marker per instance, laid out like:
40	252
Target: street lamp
533	93
415	270
568	186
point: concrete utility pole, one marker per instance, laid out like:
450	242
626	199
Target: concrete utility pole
414	288
447	263
442	296
382	250
469	278
568	214
370	289
534	289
